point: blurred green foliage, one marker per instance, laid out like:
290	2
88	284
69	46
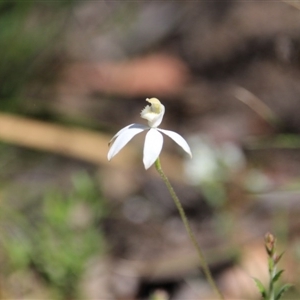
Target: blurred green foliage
60	240
29	33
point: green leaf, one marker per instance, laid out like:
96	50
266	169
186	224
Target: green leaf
277	259
282	290
277	275
261	288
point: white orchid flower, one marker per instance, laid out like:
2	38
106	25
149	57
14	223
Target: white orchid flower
153	113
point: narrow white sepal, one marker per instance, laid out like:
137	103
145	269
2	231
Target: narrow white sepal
152	148
123	137
177	138
117	134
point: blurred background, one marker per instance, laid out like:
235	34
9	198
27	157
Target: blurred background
72	73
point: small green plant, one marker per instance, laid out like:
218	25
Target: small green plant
272	293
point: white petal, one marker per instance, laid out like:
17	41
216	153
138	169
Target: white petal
152	148
120	131
177	138
123	137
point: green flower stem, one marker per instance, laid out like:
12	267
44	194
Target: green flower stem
185	221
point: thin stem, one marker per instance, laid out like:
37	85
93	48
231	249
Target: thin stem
272	272
188	228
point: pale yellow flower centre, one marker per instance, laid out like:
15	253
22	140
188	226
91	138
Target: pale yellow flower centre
153	112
